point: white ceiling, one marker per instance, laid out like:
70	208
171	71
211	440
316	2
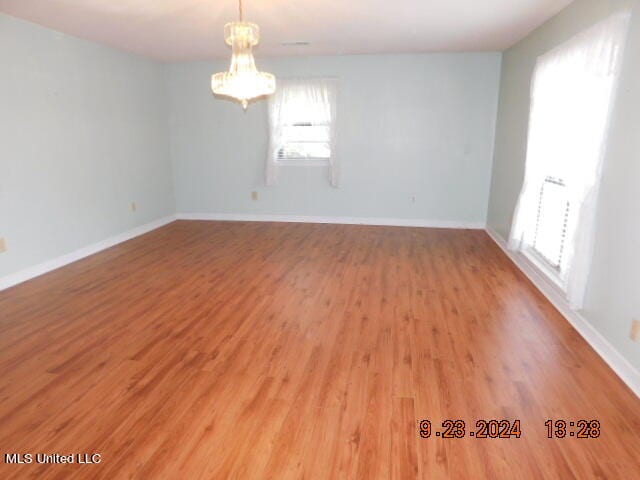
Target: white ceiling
173	30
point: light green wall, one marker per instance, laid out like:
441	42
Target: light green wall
83	133
613	296
415	140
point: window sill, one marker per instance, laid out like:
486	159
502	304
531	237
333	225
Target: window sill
548	272
311	162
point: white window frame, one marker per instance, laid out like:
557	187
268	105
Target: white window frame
555	272
307	161
318	91
567	140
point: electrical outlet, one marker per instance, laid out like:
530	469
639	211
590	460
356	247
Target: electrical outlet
134	207
3	245
635	330
254	196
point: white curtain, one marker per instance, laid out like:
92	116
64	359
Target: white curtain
571	98
302	100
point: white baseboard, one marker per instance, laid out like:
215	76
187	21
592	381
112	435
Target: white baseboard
44	267
49	265
394	222
620	365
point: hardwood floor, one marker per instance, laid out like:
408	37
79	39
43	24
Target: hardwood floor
257	350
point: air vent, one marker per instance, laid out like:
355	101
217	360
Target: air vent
294	44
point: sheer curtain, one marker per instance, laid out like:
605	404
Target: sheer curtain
571	98
302	100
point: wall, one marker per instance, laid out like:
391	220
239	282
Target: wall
415	139
612	296
83	133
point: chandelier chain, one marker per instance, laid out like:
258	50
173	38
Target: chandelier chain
240	10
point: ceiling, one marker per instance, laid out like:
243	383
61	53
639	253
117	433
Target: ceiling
178	30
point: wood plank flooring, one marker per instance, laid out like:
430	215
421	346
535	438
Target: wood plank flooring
220	350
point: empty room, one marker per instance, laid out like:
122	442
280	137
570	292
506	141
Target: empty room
320	239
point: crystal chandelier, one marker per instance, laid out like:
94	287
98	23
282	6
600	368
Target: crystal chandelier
243	81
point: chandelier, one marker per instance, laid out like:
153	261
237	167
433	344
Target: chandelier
243	81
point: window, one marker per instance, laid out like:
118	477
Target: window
305	141
550	232
571	100
302	116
